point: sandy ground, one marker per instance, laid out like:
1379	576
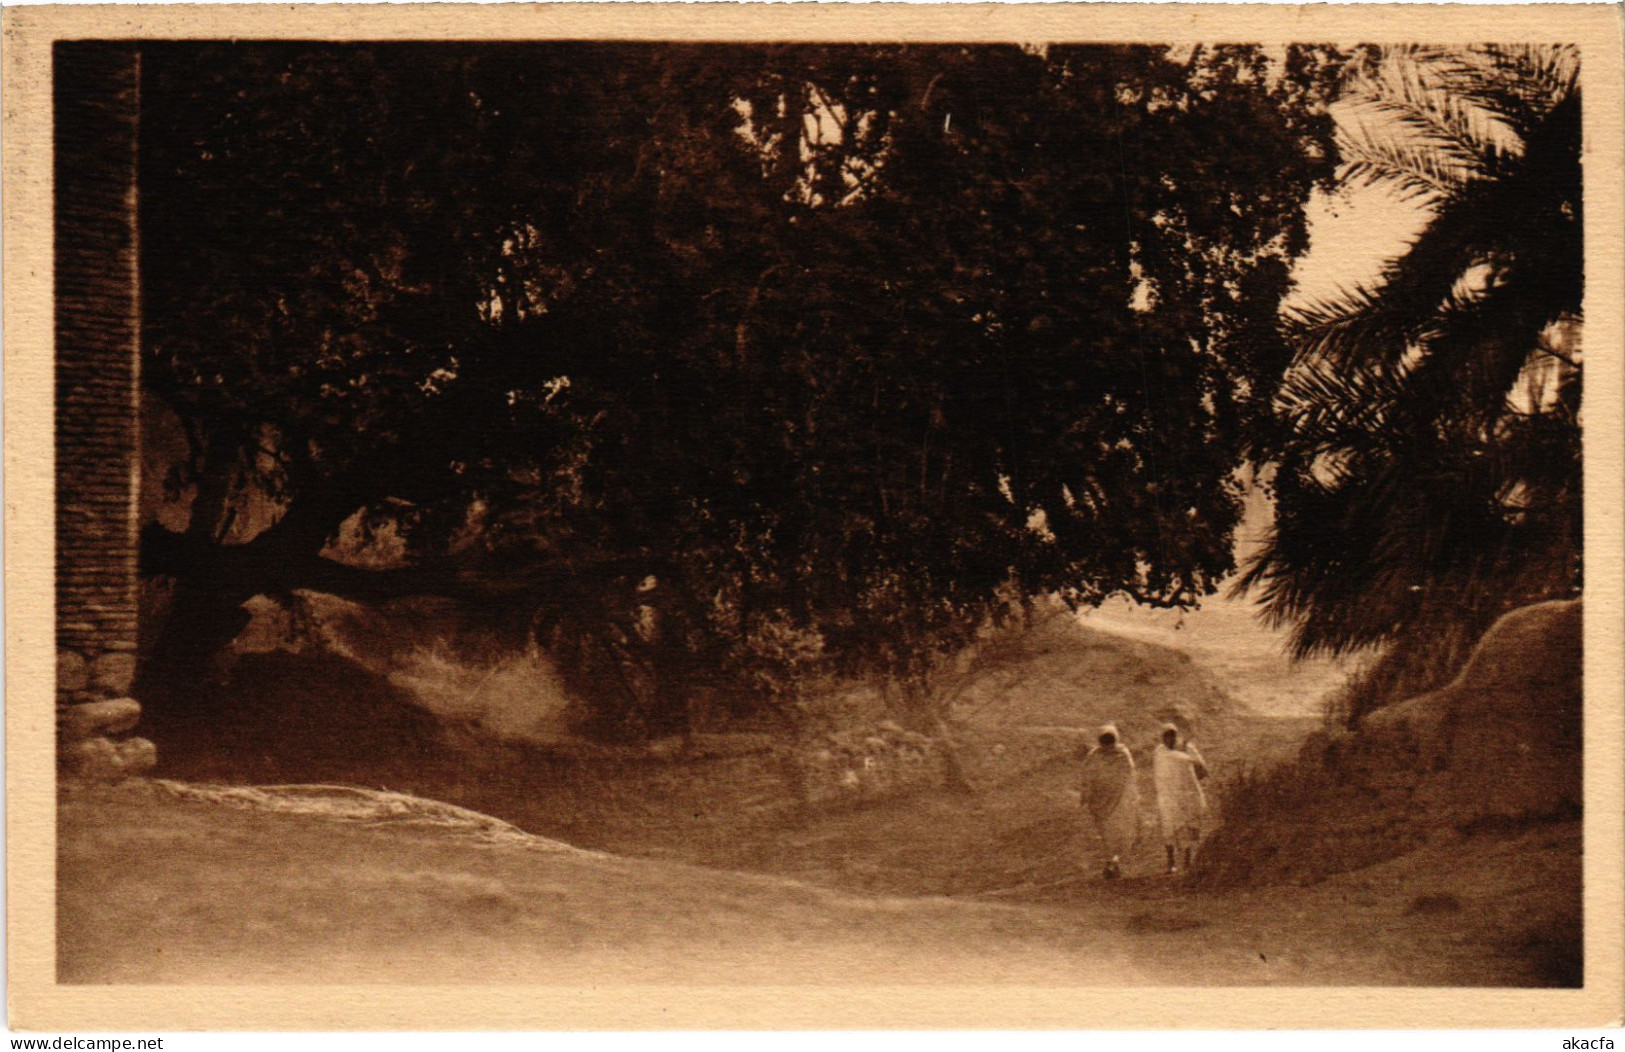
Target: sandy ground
155	889
997	886
1226	638
1018	729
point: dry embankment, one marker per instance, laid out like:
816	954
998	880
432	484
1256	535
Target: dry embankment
1494	754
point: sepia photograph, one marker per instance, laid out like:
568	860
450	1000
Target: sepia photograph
1056	506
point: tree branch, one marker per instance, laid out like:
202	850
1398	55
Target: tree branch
259	568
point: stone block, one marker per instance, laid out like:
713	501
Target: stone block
92	758
138	755
114	672
102	759
72	673
99	717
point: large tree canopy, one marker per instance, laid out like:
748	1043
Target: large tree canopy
708	361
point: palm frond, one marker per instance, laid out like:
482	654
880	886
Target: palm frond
1417	290
1350	327
1351	410
1379	149
1523	83
1427	120
1419	96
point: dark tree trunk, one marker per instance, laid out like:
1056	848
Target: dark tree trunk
179	676
924	711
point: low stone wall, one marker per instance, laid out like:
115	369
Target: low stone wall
849	768
87	746
694	797
748	773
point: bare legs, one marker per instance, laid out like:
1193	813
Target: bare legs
1173	857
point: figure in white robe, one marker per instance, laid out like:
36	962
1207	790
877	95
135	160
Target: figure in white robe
1112	797
1181	805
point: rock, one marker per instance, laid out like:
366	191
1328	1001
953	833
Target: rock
99	717
113	672
96	758
138	755
71	671
102	759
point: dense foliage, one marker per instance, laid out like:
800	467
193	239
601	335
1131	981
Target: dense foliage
710	365
1427	440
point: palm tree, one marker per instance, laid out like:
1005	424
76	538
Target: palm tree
1425	439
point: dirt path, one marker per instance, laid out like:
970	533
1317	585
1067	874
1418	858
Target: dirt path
154	889
997	886
1018	728
1022	831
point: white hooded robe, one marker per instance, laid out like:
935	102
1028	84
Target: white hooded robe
1181	804
1111	795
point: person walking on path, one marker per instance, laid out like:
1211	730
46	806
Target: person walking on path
1181	804
1112	797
